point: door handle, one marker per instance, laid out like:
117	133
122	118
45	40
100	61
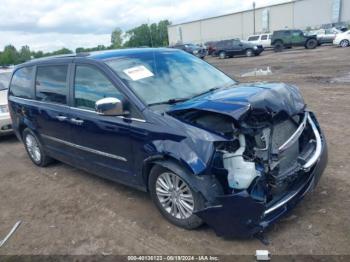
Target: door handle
77	121
61	118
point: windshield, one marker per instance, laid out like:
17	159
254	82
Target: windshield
161	76
4	80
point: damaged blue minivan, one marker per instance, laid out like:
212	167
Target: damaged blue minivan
208	149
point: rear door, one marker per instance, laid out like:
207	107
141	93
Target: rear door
103	142
51	111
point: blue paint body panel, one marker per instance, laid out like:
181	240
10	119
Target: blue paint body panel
121	149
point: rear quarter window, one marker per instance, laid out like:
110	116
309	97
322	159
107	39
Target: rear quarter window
22	83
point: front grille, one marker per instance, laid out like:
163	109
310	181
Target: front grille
281	133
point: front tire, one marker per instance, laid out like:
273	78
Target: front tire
311	44
175	198
35	149
345	43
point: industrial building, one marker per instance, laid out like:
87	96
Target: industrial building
295	14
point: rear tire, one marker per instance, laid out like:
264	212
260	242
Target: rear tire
175	198
222	55
35	149
311	44
345	43
278	46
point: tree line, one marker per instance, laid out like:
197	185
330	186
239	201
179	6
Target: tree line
153	35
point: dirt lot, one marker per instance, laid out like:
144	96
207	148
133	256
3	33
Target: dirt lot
68	211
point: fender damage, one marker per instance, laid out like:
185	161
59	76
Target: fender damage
264	117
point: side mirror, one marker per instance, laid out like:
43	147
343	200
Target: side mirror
109	106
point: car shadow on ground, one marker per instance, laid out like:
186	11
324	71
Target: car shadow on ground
10	138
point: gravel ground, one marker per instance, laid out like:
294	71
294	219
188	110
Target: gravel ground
68	211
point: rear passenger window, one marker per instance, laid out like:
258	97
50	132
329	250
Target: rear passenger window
264	37
91	85
22	81
51	84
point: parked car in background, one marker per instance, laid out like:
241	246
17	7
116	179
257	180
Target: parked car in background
193	49
263	39
210	46
290	38
342	39
5	119
342	29
325	36
235	47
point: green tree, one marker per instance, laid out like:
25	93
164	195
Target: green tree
37	54
9	56
24	54
163	32
116	38
62	51
154	35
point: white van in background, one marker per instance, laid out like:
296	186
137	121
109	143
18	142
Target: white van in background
262	39
5	119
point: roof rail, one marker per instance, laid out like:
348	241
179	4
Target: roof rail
82	54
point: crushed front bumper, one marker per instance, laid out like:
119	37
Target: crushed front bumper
240	215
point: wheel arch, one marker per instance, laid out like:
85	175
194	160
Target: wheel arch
207	185
165	161
277	41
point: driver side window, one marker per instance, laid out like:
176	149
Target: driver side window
90	85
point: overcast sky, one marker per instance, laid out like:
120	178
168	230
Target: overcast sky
52	24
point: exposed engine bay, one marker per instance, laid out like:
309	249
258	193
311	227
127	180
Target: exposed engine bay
266	150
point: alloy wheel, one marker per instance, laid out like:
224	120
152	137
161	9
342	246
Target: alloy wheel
33	148
174	195
344	43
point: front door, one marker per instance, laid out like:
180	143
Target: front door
297	37
103	142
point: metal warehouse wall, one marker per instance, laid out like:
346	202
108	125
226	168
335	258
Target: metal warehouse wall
345	14
297	14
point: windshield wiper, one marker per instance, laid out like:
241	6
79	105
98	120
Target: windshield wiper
206	92
213	89
170	101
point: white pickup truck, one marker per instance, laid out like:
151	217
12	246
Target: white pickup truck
262	39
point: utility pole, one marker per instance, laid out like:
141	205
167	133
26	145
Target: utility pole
254	16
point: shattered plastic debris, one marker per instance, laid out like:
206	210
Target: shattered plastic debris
258	72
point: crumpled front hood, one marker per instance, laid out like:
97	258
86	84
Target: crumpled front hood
238	101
